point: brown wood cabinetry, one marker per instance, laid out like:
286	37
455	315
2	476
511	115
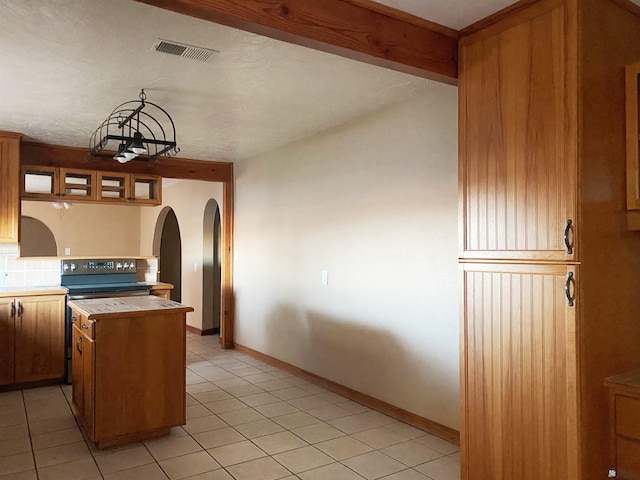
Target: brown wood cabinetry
9	182
7	336
48	183
125	359
549	303
517	180
519	386
129	187
32	338
624	398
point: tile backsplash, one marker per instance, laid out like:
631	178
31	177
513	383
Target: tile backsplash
147	269
17	272
43	272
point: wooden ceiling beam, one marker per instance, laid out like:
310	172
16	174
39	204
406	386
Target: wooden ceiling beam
42	154
358	29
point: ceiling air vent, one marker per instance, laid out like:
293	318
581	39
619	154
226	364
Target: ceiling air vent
184	50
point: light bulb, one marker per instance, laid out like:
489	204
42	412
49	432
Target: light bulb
121	158
129	155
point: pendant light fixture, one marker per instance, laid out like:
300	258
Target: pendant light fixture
143	131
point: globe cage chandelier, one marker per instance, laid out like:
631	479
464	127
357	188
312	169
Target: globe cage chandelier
135	130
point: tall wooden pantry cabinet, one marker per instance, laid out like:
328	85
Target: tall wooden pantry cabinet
550	273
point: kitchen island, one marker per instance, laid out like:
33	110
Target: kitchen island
128	367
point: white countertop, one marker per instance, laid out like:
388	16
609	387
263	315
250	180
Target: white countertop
31	290
120	305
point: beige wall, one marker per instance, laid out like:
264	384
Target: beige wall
91	229
374	203
188	199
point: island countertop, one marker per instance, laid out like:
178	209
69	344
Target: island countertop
99	308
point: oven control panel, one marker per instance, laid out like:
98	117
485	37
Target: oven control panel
98	265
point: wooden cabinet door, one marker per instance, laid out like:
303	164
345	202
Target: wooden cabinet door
88	385
7	335
517	160
77	374
9	187
39	342
518	368
145	189
77	184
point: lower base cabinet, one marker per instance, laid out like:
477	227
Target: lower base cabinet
31	339
128	376
624	401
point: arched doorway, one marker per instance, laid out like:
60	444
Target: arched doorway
168	246
211	268
37	240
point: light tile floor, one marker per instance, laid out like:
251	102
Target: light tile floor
246	420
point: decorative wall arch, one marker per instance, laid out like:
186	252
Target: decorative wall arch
37	240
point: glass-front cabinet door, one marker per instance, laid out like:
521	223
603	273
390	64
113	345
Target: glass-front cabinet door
145	189
112	187
39	182
77	184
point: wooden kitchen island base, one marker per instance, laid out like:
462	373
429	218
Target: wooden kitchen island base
128	368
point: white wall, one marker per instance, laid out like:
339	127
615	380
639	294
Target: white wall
374	203
188	199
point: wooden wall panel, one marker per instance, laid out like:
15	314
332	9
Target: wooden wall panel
519	403
518	184
610	256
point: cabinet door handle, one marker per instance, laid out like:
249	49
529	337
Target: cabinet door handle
567	289
78	345
20	309
86	327
567	231
13	309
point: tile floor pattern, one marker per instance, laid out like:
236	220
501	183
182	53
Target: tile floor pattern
246	420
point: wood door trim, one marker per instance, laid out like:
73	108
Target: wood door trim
355	29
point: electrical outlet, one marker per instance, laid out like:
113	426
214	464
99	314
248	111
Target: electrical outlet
67	250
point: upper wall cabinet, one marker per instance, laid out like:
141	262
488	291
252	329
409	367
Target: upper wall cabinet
46	183
516	179
132	188
9	181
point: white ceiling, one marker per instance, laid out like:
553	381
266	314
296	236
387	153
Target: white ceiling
65	65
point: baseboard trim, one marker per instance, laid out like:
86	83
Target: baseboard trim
422	423
197	331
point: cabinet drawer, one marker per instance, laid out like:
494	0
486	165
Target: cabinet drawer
628	416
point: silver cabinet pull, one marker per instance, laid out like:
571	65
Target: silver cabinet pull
13	309
20	309
78	345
